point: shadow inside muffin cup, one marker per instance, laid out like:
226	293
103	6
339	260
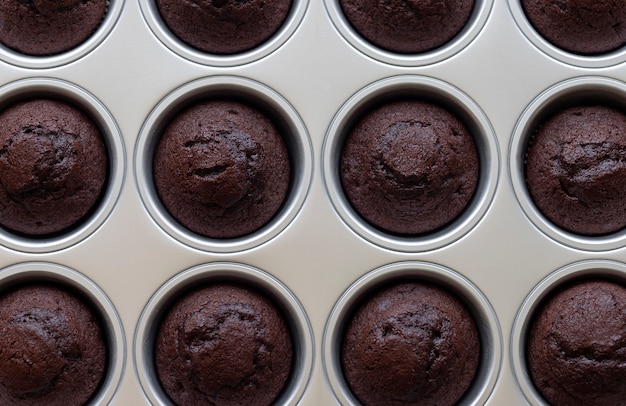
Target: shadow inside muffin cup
428	90
111	16
43	273
205	275
256	95
580	91
477	19
160	29
413	271
54	89
611	271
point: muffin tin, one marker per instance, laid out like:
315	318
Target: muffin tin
213	272
430	90
479	307
604	269
114	337
316	257
28	88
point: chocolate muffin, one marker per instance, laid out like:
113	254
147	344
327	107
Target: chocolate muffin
576	347
221	169
53	167
48	27
576	169
586	27
223	344
224	26
410	343
409	167
52	350
407	27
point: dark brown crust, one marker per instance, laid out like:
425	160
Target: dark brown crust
53	167
410	344
223	345
407	26
224	26
576	347
52	351
221	169
49	27
576	170
586	27
409	167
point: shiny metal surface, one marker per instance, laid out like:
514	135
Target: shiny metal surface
316	253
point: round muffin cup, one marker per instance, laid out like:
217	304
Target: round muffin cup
609	270
158	27
34	88
477	304
113	12
45	272
267	101
295	316
428	90
584	61
476	21
577	91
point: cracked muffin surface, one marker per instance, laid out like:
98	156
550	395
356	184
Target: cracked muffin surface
52	350
576	169
53	167
223	344
221	169
410	343
409	167
576	346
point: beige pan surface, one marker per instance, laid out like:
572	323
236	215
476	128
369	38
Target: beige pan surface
316	256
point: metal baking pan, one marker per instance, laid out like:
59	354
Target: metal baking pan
316	257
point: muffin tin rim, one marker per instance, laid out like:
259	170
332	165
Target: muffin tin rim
525	124
601	268
486	145
111	18
478	19
486	322
603	60
294	312
506	387
162	33
301	177
112	329
43	87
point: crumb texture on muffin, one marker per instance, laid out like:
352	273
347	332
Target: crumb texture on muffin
587	27
407	26
53	167
576	348
224	27
223	345
409	167
222	169
410	344
576	169
52	350
49	27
